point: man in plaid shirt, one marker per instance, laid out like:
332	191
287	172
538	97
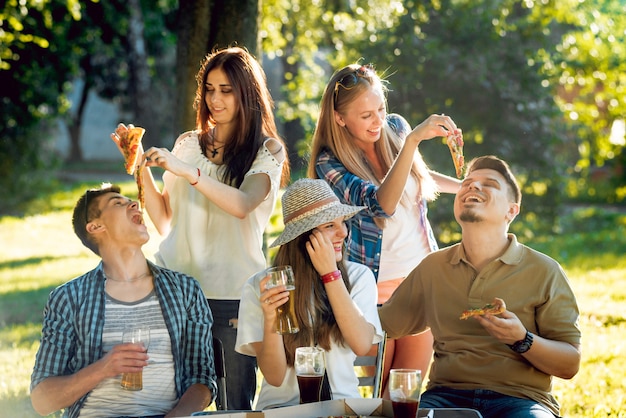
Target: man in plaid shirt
81	357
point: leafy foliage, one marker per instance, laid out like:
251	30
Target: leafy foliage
46	46
485	63
540	84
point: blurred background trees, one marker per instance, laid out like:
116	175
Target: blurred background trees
540	84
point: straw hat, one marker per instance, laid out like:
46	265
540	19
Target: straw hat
309	203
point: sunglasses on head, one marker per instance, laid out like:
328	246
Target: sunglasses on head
351	79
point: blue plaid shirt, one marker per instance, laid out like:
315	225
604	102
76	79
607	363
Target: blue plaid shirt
365	240
74	321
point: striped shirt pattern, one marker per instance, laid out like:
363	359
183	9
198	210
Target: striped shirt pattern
74	321
158	395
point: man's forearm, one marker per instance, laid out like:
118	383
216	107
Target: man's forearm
196	398
555	358
58	392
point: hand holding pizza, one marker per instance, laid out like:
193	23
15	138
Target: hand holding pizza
432	127
128	141
505	327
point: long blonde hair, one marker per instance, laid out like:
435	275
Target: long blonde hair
330	135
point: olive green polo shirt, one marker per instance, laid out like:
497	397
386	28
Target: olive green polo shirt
533	286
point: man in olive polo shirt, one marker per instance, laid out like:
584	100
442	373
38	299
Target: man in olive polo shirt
501	365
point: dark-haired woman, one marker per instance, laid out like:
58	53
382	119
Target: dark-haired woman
221	183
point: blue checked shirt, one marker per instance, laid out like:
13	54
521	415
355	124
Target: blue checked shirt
74	321
365	239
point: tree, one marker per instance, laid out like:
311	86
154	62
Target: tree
540	84
589	64
48	44
292	34
33	76
483	62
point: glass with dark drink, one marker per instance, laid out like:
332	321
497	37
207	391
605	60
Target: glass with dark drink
404	391
405	409
286	322
310	388
309	365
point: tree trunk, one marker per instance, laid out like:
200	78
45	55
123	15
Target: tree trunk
235	23
75	123
294	131
202	26
140	82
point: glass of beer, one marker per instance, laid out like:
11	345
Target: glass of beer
135	335
286	322
309	365
404	391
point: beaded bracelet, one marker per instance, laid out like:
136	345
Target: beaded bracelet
331	277
196	182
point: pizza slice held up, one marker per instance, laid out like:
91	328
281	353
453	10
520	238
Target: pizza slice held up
128	143
128	139
455	145
494	308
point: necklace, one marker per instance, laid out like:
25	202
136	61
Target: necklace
127	281
214	150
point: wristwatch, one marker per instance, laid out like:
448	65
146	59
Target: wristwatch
522	346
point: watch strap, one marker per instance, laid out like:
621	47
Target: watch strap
522	345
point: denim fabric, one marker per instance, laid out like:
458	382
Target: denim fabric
490	404
240	369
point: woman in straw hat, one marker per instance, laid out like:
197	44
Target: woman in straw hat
335	299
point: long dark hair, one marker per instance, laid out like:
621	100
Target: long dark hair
313	311
255	117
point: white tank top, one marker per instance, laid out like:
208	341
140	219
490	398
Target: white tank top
405	243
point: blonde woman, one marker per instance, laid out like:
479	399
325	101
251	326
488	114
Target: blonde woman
335	299
371	159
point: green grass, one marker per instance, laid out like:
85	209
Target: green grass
40	251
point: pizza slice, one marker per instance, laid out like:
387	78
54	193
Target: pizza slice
129	139
494	308
455	144
139	180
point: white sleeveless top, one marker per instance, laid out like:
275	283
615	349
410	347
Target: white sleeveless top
404	243
220	250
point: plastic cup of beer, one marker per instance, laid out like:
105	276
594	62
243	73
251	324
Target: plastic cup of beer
404	391
135	335
309	365
286	322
